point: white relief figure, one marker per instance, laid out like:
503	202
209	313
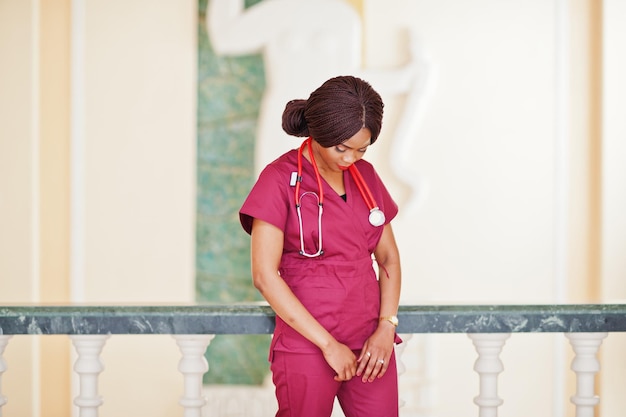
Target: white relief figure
304	43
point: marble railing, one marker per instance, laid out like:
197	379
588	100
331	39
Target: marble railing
193	327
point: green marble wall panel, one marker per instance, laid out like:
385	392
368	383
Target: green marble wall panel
229	97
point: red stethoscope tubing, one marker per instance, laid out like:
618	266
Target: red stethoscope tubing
317	173
376	218
363	188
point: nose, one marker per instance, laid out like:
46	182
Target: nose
350	157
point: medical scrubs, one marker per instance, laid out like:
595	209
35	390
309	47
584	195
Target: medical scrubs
339	288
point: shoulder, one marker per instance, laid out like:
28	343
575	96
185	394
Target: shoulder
282	165
367	170
270	196
277	172
363	164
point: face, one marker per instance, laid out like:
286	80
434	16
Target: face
339	158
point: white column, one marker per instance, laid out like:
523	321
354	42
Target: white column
488	365
4	341
193	365
88	366
585	364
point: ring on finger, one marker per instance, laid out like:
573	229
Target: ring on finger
381	361
368	354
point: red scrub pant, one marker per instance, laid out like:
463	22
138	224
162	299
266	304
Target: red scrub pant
305	388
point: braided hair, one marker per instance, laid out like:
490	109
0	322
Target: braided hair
335	111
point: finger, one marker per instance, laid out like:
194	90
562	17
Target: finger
383	369
368	374
378	366
363	360
346	374
341	376
352	371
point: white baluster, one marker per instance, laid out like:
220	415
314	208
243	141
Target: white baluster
193	365
488	365
4	341
399	363
426	372
585	364
88	366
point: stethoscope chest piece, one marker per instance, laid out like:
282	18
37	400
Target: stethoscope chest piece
376	217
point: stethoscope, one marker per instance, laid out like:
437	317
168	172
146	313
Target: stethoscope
376	216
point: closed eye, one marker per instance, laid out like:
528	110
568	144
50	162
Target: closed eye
342	149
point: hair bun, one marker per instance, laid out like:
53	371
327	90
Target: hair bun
294	122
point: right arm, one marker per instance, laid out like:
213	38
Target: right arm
267	246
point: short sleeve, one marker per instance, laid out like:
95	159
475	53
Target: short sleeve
389	206
267	201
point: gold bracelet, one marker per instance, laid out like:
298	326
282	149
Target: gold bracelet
391	319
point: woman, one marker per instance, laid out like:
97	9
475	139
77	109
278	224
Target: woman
316	216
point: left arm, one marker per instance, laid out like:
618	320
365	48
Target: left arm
380	344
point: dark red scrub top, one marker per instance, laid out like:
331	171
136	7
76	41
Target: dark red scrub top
339	288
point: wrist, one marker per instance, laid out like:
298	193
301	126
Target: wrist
389	320
327	344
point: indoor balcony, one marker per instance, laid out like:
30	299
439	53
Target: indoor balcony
584	326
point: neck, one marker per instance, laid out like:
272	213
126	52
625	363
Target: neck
323	169
332	177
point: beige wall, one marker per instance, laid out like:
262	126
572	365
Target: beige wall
19	252
488	228
484	233
54	196
614	152
138	201
613	264
139	194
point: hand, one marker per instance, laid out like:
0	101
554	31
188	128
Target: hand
376	353
341	358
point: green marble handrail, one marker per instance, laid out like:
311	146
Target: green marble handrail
259	319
